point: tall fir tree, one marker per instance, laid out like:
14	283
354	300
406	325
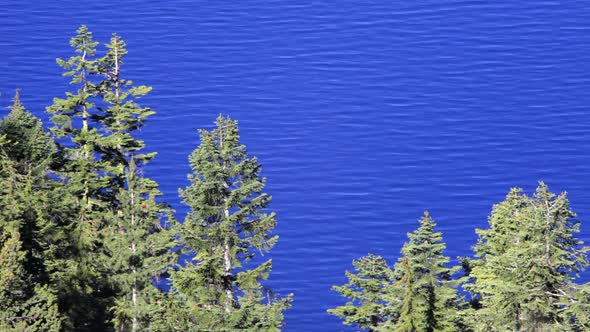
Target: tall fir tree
524	278
85	289
119	242
137	242
367	289
220	288
29	229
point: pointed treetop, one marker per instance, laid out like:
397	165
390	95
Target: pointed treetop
542	192
82	42
16	103
425	231
426	219
113	59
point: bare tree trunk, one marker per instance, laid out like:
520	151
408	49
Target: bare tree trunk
134	288
226	246
228	267
85	197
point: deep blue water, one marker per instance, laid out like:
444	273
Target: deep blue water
363	113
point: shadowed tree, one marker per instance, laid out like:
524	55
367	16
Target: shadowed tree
29	229
84	287
138	244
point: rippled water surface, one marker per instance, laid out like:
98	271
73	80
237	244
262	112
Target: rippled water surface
363	113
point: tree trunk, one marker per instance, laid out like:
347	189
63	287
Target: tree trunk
134	251
228	267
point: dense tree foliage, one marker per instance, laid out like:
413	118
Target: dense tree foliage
84	241
367	289
29	234
136	240
83	281
527	262
227	226
424	287
523	276
87	245
417	295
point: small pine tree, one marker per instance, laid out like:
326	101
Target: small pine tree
419	295
427	297
27	143
220	288
367	290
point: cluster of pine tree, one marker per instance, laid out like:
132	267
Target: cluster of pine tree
522	277
86	246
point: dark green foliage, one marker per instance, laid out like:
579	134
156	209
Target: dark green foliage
26	143
85	289
138	245
220	288
528	259
29	235
139	249
118	244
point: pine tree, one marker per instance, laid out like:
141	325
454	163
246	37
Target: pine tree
140	251
528	259
120	244
429	289
220	288
367	290
577	308
419	295
27	143
85	290
29	233
139	246
407	320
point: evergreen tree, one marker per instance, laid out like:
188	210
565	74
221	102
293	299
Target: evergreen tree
424	286
119	244
140	251
528	259
138	245
577	308
220	288
407	320
27	144
84	285
29	232
367	289
419	295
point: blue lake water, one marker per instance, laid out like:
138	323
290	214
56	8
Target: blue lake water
363	113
